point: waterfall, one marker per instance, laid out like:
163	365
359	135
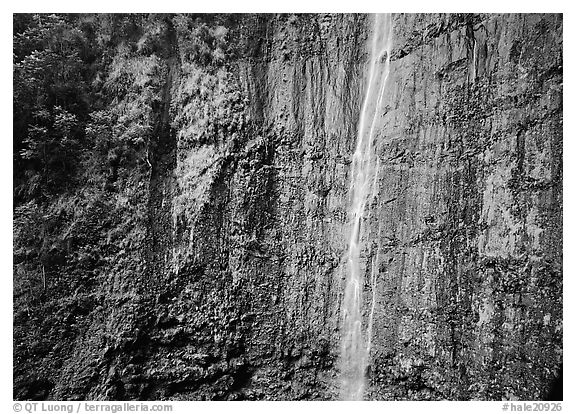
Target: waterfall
355	347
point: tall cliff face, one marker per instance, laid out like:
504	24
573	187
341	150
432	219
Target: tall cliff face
231	282
469	215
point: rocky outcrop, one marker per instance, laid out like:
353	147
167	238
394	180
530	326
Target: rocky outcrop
233	290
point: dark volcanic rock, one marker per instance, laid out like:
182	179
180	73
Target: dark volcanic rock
232	285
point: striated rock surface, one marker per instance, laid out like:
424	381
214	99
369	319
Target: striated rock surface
230	285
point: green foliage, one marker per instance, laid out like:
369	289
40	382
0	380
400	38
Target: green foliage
52	137
28	219
50	146
136	82
50	96
88	92
156	36
200	43
74	77
120	136
208	107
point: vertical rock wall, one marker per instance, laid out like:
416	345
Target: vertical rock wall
466	228
236	287
469	219
267	240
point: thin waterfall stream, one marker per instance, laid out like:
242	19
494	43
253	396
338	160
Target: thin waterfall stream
355	345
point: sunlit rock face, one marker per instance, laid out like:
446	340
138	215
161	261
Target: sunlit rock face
238	290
